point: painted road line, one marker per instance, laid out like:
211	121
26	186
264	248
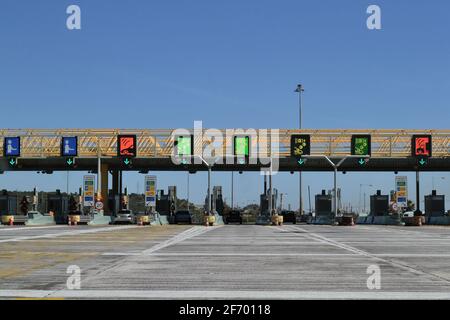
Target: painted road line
68	233
336	244
188	234
195	254
225	294
31	228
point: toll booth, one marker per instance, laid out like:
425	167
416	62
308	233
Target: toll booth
113	203
218	200
434	205
8	203
323	204
166	202
58	203
379	204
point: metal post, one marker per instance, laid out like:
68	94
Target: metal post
99	177
188	191
335	193
270	191
300	107
209	190
309	199
232	189
418	194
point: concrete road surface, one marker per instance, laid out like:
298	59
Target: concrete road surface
231	262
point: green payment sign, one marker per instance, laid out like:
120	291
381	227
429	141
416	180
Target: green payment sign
361	145
241	146
184	146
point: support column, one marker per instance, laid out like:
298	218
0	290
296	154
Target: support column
417	212
104	186
115	182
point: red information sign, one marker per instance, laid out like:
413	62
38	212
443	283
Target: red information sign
421	146
126	146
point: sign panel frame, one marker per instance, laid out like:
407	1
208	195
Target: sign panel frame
66	146
415	146
176	144
121	139
354	144
237	145
150	191
89	191
305	146
9	146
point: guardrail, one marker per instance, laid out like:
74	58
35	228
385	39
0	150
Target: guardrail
158	143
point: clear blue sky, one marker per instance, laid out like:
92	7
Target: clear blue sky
228	63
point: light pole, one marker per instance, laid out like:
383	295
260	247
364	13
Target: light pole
232	190
188	191
299	90
432	181
361	185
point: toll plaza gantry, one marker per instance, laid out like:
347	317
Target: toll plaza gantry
116	150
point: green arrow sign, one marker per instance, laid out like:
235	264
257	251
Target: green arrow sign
70	161
422	162
126	161
362	161
12	162
301	161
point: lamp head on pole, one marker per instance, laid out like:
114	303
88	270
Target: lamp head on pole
299	88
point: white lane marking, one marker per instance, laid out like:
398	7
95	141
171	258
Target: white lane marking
194	254
187	234
68	233
317	237
30	228
346	255
226	294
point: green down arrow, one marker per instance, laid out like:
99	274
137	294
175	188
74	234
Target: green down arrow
362	161
126	161
422	162
12	162
69	162
301	161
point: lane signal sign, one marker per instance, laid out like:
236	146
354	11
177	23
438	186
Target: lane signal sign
421	146
69	146
11	147
361	145
183	145
300	145
126	145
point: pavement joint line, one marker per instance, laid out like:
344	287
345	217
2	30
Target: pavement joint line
190	233
370	255
186	234
68	233
30	228
194	254
226	294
